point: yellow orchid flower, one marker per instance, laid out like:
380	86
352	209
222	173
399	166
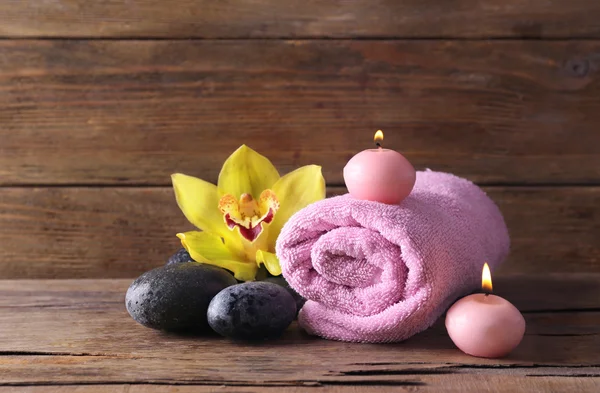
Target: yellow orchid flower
242	216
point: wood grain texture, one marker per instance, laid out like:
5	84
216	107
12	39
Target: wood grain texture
545	294
463	383
78	332
295	18
122	232
133	112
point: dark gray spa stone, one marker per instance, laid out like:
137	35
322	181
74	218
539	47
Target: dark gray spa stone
176	297
181	256
279	280
252	311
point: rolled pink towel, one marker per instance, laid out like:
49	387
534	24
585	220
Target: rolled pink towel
381	273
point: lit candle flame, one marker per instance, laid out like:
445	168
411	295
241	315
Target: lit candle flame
486	278
378	138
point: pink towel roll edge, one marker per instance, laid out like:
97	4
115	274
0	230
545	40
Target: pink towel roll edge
381	273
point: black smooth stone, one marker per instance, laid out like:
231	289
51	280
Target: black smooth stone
252	311
176	297
181	256
279	280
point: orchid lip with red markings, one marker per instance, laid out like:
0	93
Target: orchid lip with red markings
253	232
248	214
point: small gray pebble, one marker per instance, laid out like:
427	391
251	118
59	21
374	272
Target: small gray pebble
279	280
181	256
176	297
252	311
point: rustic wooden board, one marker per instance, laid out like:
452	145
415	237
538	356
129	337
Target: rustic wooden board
121	232
528	293
78	332
132	112
463	383
295	18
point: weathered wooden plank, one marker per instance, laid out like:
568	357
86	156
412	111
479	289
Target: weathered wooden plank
93	233
464	383
121	232
548	294
90	339
263	367
572	243
133	112
295	18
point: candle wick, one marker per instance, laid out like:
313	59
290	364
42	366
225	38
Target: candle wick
378	144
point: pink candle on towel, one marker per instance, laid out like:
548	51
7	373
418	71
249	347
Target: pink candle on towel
381	175
485	325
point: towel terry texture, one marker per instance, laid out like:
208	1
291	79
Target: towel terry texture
373	272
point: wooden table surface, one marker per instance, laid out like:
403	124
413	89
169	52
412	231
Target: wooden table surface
76	336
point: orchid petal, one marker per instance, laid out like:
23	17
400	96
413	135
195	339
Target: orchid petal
270	261
295	191
198	200
246	172
209	248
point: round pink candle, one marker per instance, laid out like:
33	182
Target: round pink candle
380	175
485	325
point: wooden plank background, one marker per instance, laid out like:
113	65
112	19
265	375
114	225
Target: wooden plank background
80	232
101	101
300	18
133	112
